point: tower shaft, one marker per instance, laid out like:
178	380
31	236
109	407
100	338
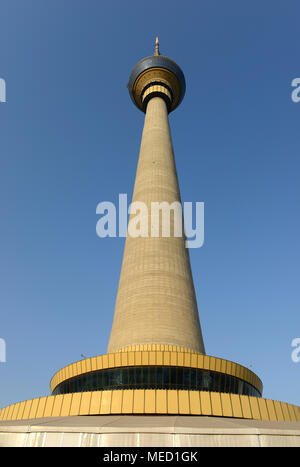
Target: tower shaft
156	301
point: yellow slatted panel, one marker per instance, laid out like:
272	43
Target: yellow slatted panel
236	405
223	366
167	358
139	401
21	410
251	379
130	358
205	403
66	405
58	400
238	371
194	361
138	358
118	359
94	363
172	401
292	413
116	401
216	404
159	358
218	364
254	408
187	359
27	410
105	402
152	359
70	371
194	403
206	361
105	361
33	409
226	405
271	409
75	404
111	360
127	405
99	363
285	411
233	368
180	358
183	402
161	401
15	411
263	408
10	411
150	402
95	402
83	368
212	364
7	413
4	413
174	358
49	406
145	358
246	406
200	359
85	403
40	408
278	411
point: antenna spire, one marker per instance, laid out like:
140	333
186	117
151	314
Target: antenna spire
156	50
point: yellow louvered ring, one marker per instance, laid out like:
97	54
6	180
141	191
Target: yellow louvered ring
156	357
152	402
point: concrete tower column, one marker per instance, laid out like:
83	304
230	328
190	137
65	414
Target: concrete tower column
156	302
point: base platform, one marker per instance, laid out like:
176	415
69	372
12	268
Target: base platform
147	431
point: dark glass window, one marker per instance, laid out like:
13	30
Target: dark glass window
186	377
138	376
205	380
180	377
222	382
124	376
159	376
193	378
173	376
131	377
156	377
166	375
152	377
199	379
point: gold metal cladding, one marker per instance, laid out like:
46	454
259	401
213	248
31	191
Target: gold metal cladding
157	88
155	402
156	357
156	74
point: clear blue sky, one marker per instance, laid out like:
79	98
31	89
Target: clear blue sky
70	138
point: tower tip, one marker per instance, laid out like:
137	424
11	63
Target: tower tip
156	50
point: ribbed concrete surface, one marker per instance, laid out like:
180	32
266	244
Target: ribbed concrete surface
156	300
158	431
